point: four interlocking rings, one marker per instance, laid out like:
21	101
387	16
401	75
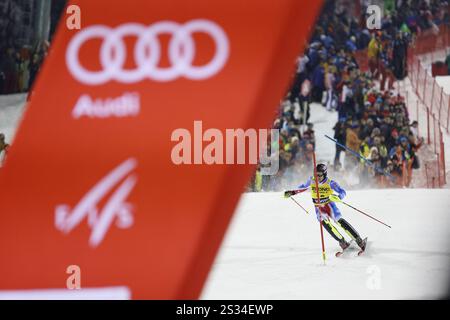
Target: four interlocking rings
147	52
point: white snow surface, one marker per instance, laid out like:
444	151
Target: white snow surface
444	82
324	122
272	249
12	107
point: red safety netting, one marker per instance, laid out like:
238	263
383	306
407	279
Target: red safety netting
433	103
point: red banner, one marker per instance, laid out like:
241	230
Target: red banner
89	180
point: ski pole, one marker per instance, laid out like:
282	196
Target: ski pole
299	205
366	161
364	213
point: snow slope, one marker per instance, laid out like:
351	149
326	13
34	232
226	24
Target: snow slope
272	249
444	82
11	110
324	122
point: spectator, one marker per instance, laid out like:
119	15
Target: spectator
373	54
399	52
340	136
352	142
318	78
304	100
329	86
364	149
351	44
10	71
367	129
387	66
34	69
382	151
308	135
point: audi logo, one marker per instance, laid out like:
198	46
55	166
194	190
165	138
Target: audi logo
147	52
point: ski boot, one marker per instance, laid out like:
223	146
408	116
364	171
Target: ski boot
344	245
362	244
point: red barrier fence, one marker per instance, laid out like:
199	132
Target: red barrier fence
429	48
432	100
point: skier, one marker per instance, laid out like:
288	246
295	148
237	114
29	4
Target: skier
326	209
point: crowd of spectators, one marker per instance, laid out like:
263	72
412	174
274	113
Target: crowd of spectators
383	135
26	30
19	67
373	120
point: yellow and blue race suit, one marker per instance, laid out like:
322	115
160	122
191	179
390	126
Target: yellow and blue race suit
325	208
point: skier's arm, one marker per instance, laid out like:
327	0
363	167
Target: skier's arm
337	188
305	186
301	188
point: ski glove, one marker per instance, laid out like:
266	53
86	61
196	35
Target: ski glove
290	193
334	198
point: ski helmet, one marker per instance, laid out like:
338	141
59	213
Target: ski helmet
322	169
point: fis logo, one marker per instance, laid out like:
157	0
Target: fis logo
116	208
